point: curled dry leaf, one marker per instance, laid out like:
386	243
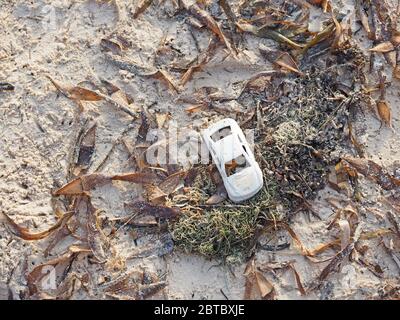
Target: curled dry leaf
384	112
364	20
112	46
298	280
75	92
137	177
172	182
155	195
86	151
256	280
282	59
83	184
340	256
383	47
374	172
324	4
43	270
296	239
24	233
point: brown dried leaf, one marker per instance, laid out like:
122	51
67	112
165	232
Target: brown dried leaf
172	182
264	286
296	239
340	256
37	273
86	150
155	195
75	92
209	21
142	6
286	61
163	76
143	207
137	177
112	46
298	280
384	112
82	94
374	172
383	47
396	72
24	233
364	20
256	280
83	184
95	237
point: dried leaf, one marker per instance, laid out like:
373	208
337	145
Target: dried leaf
384	112
395	39
340	256
141	7
364	20
383	47
345	228
83	184
298	280
296	239
95	237
202	60
37	274
155	195
82	94
86	150
209	21
374	172
163	212
24	233
4	86
172	182
264	286
161	119
75	92
137	177
267	32
286	61
112	46
255	279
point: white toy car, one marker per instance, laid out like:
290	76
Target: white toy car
234	159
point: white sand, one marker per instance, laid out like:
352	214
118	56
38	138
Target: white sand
37	133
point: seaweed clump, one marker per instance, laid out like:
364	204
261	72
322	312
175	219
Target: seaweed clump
298	136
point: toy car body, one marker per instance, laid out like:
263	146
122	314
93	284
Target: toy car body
234	159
